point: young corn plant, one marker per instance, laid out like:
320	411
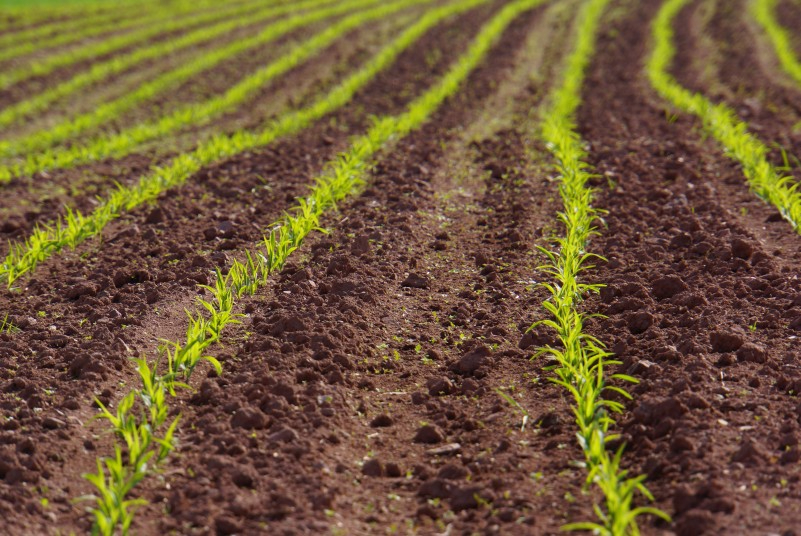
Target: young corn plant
116	477
128	17
7	326
32	22
721	122
135	430
112	481
115	43
49	239
37	146
237	16
764	12
581	357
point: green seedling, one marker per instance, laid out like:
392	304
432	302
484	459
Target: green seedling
117	476
581	357
764	12
16	44
238	16
49	239
6	326
720	121
515	404
37	146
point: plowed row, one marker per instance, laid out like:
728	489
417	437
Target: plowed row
382	381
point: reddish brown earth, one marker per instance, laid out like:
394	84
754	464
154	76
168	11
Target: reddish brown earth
360	393
746	76
714	423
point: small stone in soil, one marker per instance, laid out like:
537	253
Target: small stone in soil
450	448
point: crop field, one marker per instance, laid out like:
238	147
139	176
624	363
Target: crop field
414	267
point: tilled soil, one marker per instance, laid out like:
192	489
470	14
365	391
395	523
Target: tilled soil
41	198
748	78
703	309
114	86
132	289
789	13
369	387
39	83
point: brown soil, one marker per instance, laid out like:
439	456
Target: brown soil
698	307
360	393
41	198
140	276
746	77
38	84
788	12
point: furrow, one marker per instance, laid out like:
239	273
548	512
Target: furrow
72	24
37	145
39	200
742	73
118	44
76	228
721	122
249	191
33	14
764	12
682	276
101	71
116	476
357	344
104	24
583	360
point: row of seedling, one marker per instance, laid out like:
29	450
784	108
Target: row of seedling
141	419
37	21
47	240
237	16
37	148
583	359
721	122
118	42
764	12
130	17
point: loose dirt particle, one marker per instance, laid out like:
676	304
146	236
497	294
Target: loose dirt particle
382	421
725	341
373	467
473	360
667	287
429	434
752	352
415	281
